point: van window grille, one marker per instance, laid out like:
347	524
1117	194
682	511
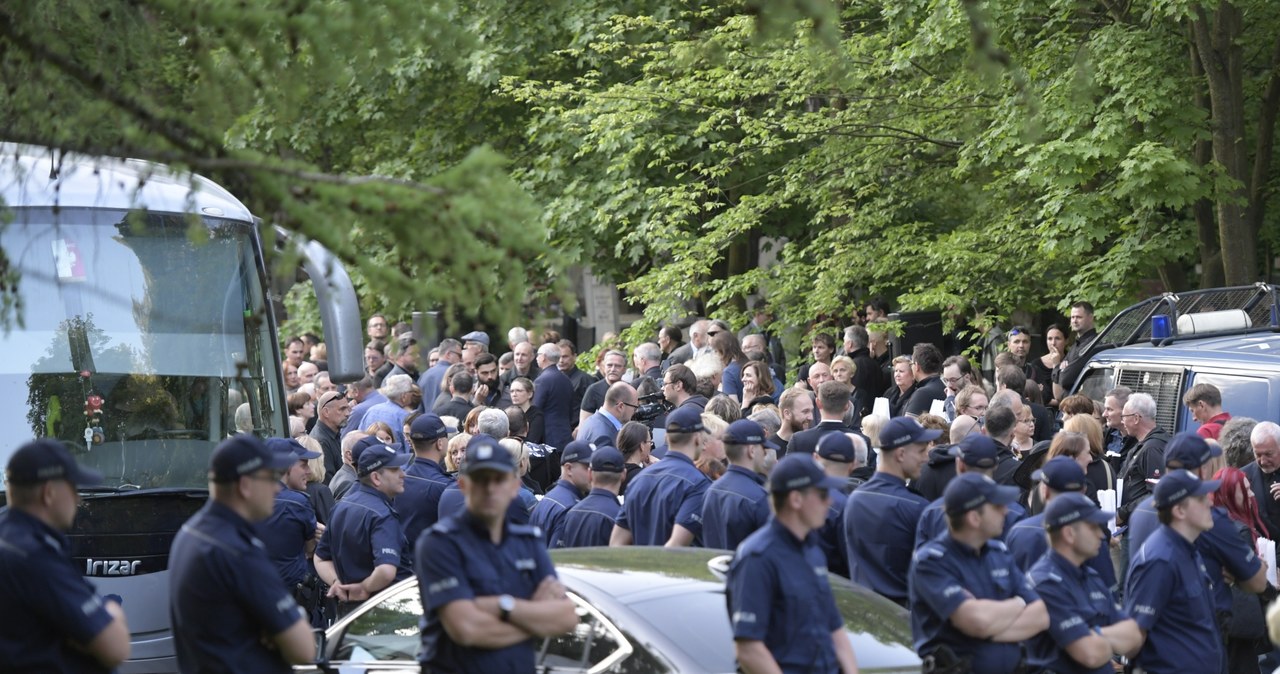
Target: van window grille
1164	387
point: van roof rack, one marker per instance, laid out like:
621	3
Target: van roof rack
1236	310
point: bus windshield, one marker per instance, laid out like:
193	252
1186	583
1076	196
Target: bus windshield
137	345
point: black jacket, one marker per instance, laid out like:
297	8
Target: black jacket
927	391
936	474
1146	460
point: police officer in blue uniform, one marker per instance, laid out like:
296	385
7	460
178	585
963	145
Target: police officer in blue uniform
364	549
575	478
783	614
737	504
424	478
487	584
290	533
881	516
837	455
453	501
590	522
1059	476
971	606
47	604
229	609
976	453
1086	627
664	501
1168	590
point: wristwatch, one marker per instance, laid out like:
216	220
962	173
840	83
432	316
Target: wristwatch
506	604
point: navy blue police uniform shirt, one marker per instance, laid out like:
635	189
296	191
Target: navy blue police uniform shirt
549	514
880	520
733	508
668	493
365	533
456	560
1028	542
453	502
590	522
285	533
1078	600
419	504
225	596
1170	594
933	521
945	573
778	593
45	599
1221	548
831	536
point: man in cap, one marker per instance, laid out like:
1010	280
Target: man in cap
974	454
880	554
783	614
487	583
575	479
364	549
590	522
53	619
1086	627
970	605
737	504
475	342
424	478
1168	590
838	455
664	501
291	532
224	593
1026	541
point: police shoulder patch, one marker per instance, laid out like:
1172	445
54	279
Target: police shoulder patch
446	525
525	530
997	544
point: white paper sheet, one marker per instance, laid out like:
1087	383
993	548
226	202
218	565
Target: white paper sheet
1267	551
1107	500
938	408
881	407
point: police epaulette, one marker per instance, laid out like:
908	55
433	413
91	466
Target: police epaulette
931	550
998	545
525	530
446	525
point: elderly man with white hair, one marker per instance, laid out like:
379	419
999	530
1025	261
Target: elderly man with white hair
398	388
1262	473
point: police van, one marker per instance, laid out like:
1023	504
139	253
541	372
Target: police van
1227	337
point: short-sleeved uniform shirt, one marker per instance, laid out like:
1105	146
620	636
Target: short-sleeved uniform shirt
734	507
456	560
365	533
880	521
590	522
549	514
453	502
831	536
225	596
285	533
1169	593
1027	542
944	574
933	521
668	493
1078	600
44	597
778	593
419	505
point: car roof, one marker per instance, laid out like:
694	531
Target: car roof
1237	350
639	572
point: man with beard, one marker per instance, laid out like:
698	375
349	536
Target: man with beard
796	408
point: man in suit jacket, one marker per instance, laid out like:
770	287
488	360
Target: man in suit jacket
553	394
1263	475
833	402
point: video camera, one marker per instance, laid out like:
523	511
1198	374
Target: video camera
651	407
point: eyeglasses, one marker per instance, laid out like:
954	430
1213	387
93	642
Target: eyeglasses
1132	414
631	405
951	381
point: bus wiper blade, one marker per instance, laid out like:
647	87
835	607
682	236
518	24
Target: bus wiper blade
131	490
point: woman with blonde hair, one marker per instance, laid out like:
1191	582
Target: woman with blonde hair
526	496
1099	471
321	496
456	453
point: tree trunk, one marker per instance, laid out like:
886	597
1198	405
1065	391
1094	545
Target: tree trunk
1260	188
1202	211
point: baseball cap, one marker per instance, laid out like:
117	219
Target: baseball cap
968	491
427	427
45	459
976	450
279	445
800	471
836	447
1061	473
484	453
685	419
900	431
365	443
381	456
1190	451
577	451
1177	485
242	454
607	460
1073	507
476	336
747	432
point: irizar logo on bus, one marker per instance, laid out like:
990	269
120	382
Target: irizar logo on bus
111	567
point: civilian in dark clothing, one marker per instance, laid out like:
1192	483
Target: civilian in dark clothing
1146	460
868	379
459	405
1013	378
1262	473
926	365
1068	371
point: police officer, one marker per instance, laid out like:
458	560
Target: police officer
970	605
1086	627
453	500
784	616
487	582
229	609
575	478
837	455
364	549
590	522
424	478
46	602
976	453
1027	543
664	502
881	516
737	504
291	532
1168	590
